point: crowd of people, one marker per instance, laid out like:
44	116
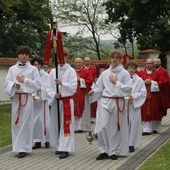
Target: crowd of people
49	108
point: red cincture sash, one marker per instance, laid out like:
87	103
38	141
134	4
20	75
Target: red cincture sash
45	131
20	105
119	110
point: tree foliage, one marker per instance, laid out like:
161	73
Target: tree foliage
147	21
88	15
23	23
81	46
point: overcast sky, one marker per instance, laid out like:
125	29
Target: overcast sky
73	29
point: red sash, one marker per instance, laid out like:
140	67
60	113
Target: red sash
67	114
119	110
45	131
20	105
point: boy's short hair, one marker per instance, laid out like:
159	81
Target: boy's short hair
24	50
132	64
115	52
38	59
65	50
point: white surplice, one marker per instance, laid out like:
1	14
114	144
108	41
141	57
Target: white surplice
22	131
111	140
69	85
135	125
41	118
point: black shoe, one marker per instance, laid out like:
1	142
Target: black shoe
114	157
58	152
79	131
155	131
95	135
102	156
131	149
22	154
47	144
145	133
37	145
64	155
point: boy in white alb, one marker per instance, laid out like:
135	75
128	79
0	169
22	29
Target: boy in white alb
112	125
21	81
41	120
136	100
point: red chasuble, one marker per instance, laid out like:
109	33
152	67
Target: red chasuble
93	105
81	92
165	92
151	109
168	91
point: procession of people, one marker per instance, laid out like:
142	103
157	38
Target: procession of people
48	109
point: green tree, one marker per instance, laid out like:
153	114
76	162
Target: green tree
81	46
88	15
23	23
147	21
78	46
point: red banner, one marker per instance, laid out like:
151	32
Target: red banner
48	46
60	52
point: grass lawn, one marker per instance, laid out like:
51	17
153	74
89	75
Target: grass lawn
160	160
5	125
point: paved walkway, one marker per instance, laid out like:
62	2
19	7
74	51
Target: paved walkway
85	156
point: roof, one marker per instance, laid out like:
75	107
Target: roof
150	51
12	61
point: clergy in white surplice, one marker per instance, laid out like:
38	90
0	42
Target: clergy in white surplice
112	120
21	81
62	117
136	100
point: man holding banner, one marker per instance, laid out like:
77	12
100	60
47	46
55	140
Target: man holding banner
61	88
63	140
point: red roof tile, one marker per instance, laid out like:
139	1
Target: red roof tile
12	61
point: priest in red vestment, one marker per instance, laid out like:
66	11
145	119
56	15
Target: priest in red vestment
81	97
93	72
164	91
151	110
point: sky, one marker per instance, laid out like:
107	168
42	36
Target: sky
71	30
